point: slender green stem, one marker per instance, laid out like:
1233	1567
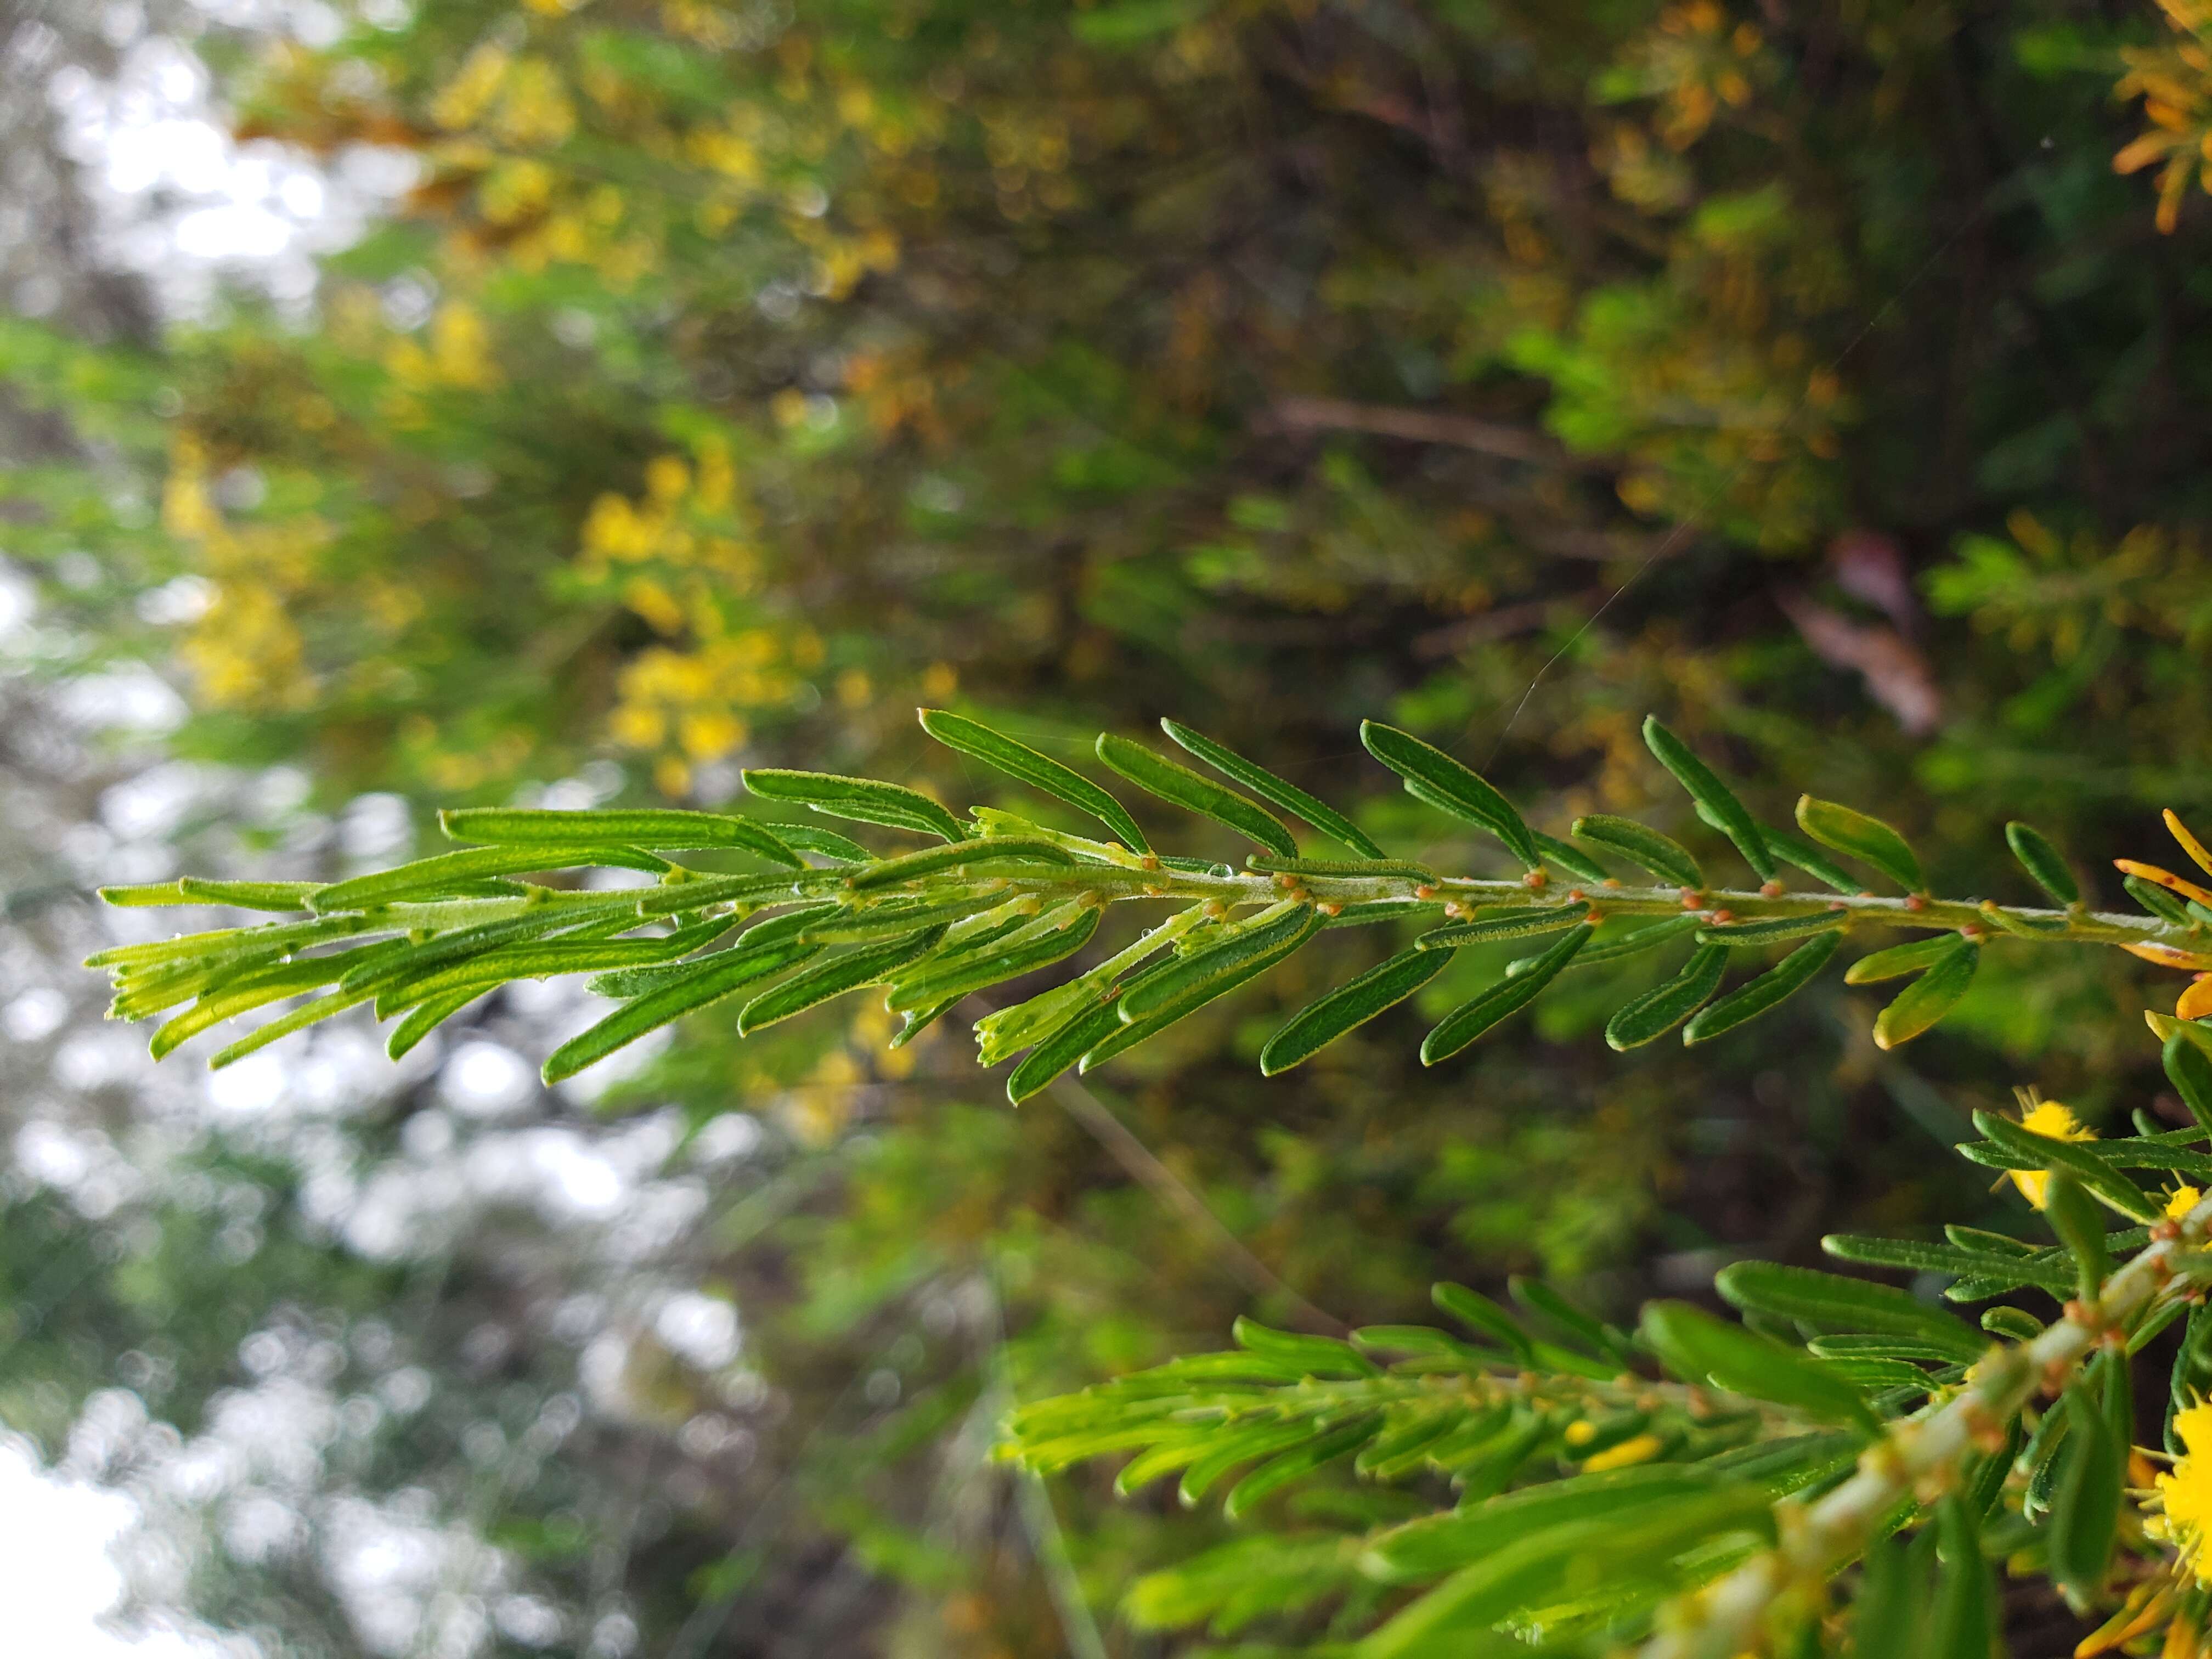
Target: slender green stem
1117	883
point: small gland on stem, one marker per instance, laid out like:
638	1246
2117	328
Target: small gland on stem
1770	890
1916	901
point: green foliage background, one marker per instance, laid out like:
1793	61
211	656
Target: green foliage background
735	379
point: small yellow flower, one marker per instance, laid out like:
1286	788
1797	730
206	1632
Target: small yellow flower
2196	1001
2186	1493
2184	1199
2050	1119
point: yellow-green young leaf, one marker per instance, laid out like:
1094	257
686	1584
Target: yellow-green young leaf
1829	1300
1265	937
2045	863
1320	1024
1517	922
1662	855
1430	775
1699	1348
1422	1550
1778	983
1018	760
336	1002
1278	792
1280	1470
441	872
1663	1008
253	990
1314	1356
1131	1034
2188	1068
1058	933
1234	1447
1509	996
247	894
1715	801
662	827
1772	929
1868	840
1484	1316
511	929
865	800
2085	1506
1920	1004
868	965
2045	1151
1898	960
428	1016
1061	1048
981	855
146	896
709	982
1179	785
844	925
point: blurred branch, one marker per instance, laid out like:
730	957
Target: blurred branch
1423	426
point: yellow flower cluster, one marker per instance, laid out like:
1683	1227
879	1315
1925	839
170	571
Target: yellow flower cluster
245	651
2174	80
2194	1001
2186	1493
2054	1121
517	101
678	559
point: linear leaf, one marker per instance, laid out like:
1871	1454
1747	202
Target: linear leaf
254	991
246	895
665	827
1431	776
1131	1034
1813	1298
1898	960
1662	855
1286	1466
1769	930
2188	1068
1622	946
1920	1256
828	843
2094	1173
1264	936
2045	865
1699	1348
1793	849
1844	829
1923	1003
847	971
334	1002
1320	1024
1715	800
1018	760
1755	997
2085	1507
1568	857
1518	921
1663	1008
980	854
863	799
1061	1048
1278	792
441	871
1058	933
858	926
426	1016
1509	996
712	979
1179	785
1341	869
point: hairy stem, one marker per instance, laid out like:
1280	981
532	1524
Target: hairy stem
1726	1618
